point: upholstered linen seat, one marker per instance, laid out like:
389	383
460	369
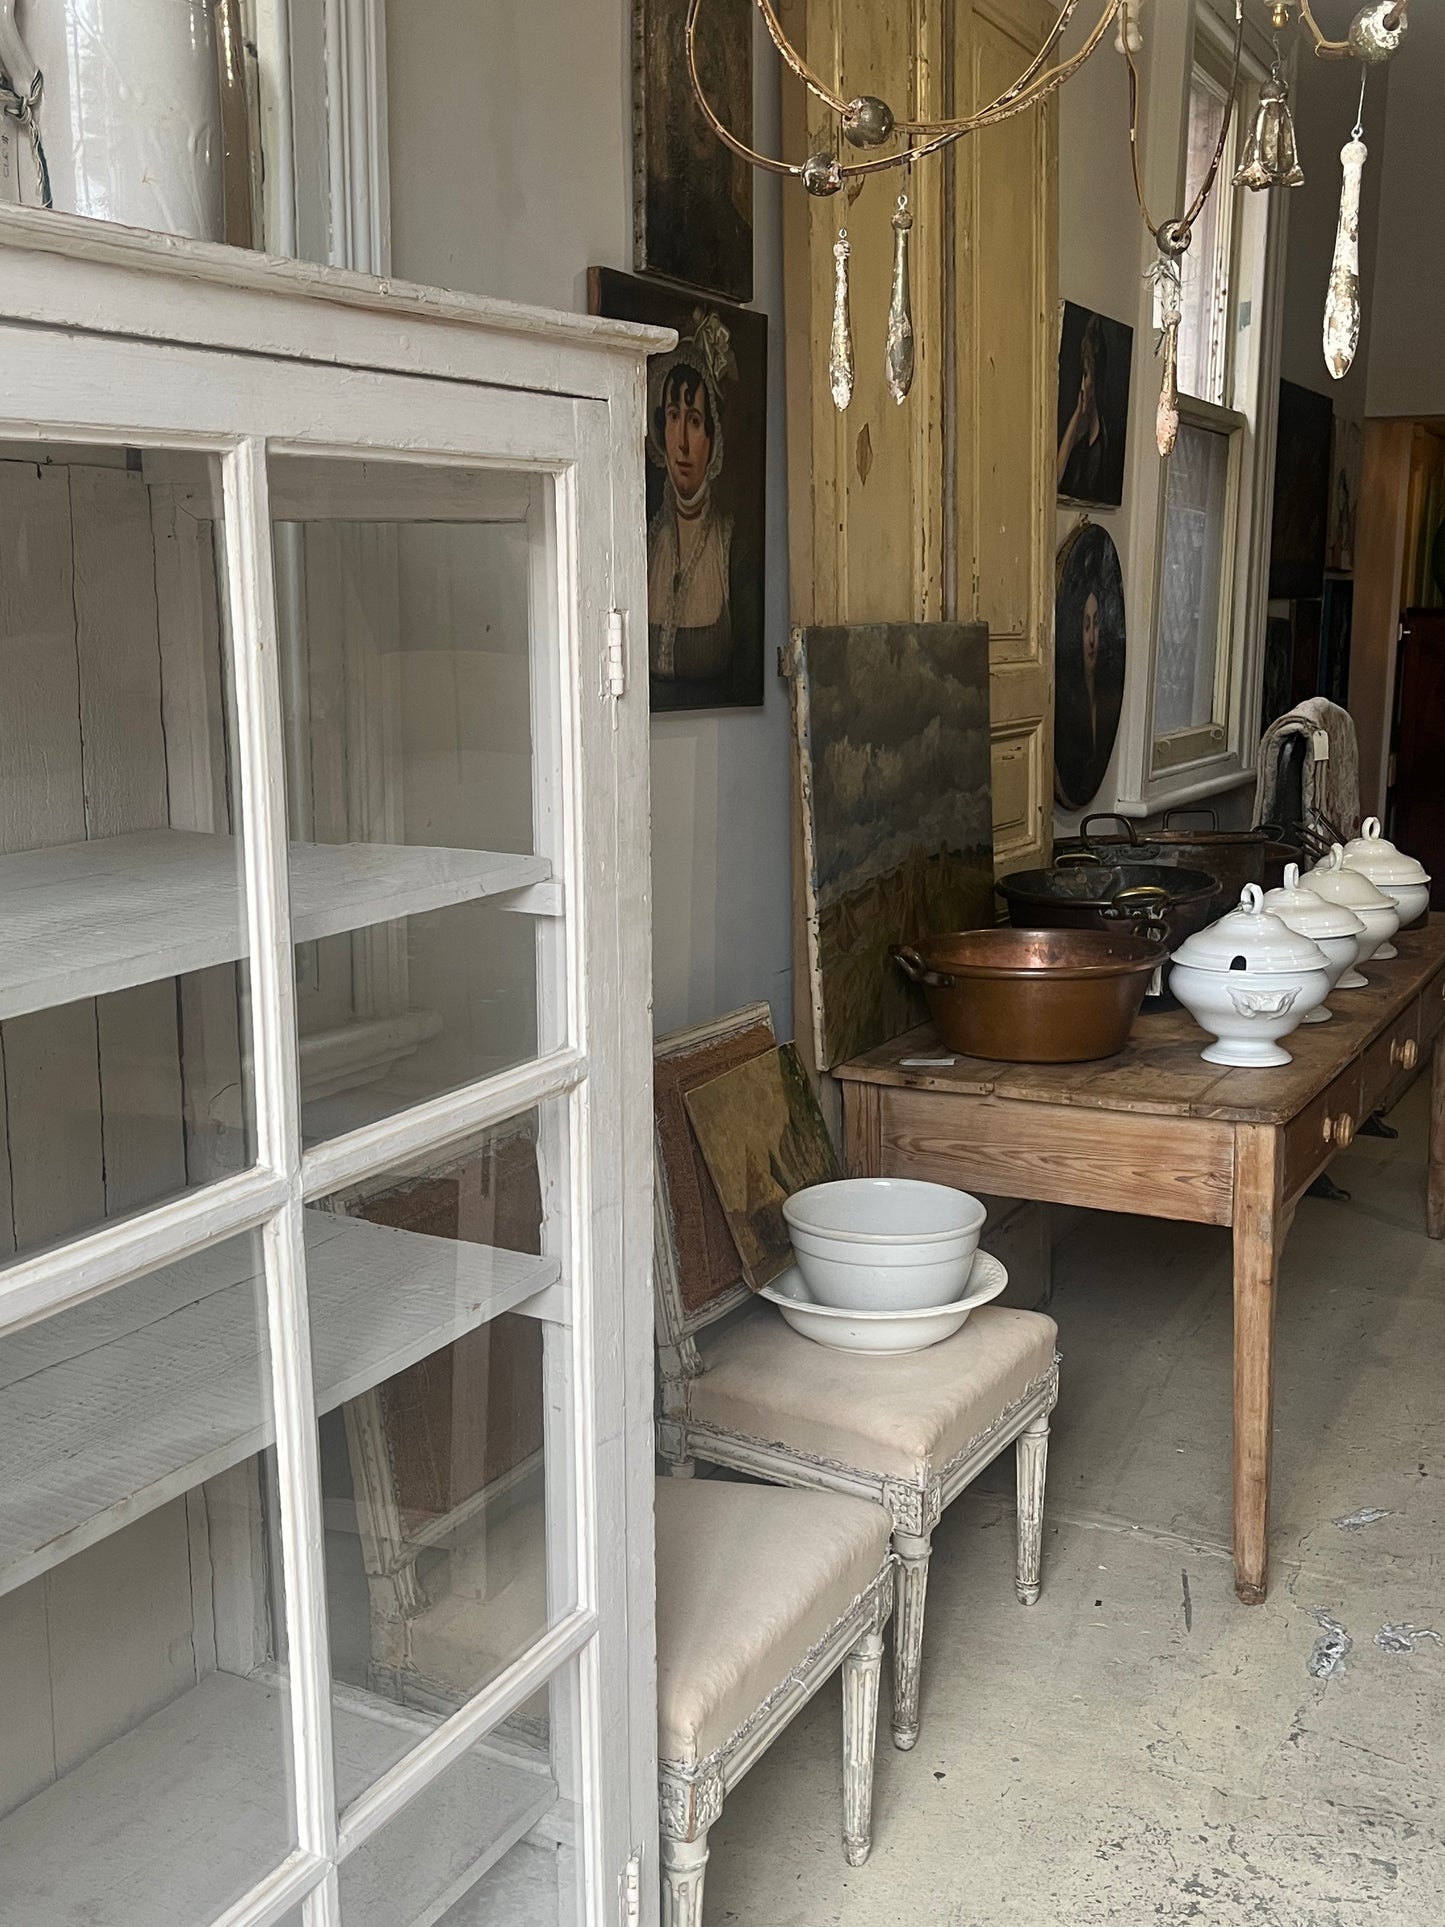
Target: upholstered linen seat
906	1417
762	1594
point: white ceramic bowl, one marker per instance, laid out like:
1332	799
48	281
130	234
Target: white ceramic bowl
884	1244
1411	899
884	1333
1340	954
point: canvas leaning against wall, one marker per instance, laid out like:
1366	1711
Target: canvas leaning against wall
891	749
1095	362
706	445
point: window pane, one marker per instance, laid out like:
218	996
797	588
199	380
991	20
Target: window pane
1203	330
1194	532
145	1771
445	1485
493	1842
124	1048
417	617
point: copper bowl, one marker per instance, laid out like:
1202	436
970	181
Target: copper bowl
1034	996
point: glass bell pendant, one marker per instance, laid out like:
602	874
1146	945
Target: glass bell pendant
1270	156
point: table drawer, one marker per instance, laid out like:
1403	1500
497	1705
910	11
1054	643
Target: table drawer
1387	1064
1327	1126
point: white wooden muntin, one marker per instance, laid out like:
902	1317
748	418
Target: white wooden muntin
313	354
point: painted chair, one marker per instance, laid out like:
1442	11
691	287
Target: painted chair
909	1433
762	1596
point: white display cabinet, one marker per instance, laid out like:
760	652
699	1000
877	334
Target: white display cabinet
325	1213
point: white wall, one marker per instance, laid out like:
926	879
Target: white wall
1407	368
511	175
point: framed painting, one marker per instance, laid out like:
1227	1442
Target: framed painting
891	749
692	200
1096	357
1304	440
1090	653
763	1137
706	438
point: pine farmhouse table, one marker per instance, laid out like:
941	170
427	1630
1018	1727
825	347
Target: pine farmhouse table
1159	1132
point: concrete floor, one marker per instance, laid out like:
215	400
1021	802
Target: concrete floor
1138	1747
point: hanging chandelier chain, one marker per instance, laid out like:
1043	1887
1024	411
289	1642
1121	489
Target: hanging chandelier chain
1033	85
1181	229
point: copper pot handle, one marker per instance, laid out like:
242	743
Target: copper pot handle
1147	900
1192	809
917	971
1108	816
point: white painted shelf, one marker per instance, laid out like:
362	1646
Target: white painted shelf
84	919
121	1404
168	1825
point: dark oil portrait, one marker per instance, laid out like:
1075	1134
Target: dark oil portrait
1095	358
706	452
1089	655
692	197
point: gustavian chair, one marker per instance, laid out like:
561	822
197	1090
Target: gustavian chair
909	1433
761	1597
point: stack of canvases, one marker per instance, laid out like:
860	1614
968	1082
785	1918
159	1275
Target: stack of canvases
877	1441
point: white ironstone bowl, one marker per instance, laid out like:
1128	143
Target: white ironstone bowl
887	1334
884	1244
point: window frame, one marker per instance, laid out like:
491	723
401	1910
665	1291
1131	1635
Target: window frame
1156	772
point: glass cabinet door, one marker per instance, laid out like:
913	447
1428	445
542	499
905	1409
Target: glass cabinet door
315	1456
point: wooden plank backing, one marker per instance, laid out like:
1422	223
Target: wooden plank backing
1161	1167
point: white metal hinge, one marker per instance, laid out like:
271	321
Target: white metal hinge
631	1890
616	666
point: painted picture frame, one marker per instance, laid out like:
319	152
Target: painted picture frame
1090	656
763	1137
692	199
706	444
893	770
1096	360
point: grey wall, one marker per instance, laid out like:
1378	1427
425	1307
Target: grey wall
511	175
1407	368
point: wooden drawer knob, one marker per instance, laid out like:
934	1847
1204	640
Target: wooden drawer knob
1340	1131
1405	1053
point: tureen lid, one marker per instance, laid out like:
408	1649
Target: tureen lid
1333	878
1379	859
1307	912
1251	933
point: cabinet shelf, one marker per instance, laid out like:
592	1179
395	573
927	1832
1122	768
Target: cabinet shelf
112	1409
85	919
174	1820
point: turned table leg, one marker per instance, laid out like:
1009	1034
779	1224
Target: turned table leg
1435	1194
1259	1233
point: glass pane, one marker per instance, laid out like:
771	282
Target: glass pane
1194	531
1203	330
145	1771
124	1049
417	618
441	1467
492	1842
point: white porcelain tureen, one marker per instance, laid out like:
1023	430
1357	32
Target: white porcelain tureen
1336	882
1250	980
1335	929
1401	878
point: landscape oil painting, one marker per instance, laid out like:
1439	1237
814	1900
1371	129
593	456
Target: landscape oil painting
763	1137
891	748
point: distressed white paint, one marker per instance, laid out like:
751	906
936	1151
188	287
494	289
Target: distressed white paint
510	399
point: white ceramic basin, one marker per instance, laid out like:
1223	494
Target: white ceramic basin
884	1244
885	1333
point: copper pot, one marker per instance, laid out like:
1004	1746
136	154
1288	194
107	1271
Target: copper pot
1033	996
1234	857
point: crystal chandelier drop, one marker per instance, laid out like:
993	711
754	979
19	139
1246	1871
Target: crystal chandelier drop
880	138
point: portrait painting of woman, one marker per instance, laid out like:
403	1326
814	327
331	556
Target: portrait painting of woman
705	492
1089	656
1095	357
